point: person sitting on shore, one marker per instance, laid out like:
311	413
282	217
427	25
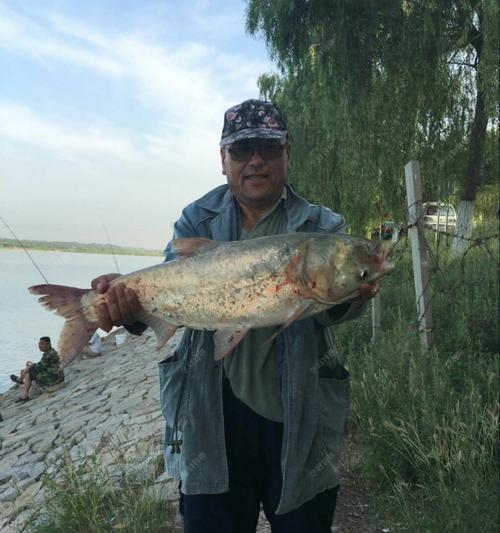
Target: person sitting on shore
46	372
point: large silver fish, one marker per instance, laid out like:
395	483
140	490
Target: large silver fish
229	287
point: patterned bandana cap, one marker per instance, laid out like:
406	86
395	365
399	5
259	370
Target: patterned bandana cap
252	119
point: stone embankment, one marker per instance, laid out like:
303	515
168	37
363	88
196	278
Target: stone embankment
107	403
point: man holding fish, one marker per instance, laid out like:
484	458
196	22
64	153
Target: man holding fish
255	411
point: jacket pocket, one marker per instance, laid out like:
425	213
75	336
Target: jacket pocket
334	404
171	374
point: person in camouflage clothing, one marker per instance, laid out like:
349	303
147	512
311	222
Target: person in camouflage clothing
46	372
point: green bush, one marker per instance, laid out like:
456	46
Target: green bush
428	420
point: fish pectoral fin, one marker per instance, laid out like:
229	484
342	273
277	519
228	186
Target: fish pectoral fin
163	330
193	245
225	340
304	307
170	329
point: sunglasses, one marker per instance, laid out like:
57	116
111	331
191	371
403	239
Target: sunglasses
243	152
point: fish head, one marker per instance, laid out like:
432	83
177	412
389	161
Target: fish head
335	266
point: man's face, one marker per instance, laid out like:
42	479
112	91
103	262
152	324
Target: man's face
256	170
43	346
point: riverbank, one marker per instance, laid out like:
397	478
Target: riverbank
108	403
76	247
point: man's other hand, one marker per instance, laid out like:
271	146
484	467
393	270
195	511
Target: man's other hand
122	305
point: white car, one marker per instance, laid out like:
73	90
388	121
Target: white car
439	216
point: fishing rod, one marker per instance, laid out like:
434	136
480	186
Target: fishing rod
111	246
25	250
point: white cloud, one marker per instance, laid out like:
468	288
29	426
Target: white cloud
191	86
20	125
29	37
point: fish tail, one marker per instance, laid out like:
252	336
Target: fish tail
67	303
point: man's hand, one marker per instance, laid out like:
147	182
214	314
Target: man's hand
122	305
367	291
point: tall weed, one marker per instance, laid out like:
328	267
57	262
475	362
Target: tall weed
92	498
429	419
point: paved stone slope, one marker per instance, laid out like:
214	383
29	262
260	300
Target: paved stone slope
108	403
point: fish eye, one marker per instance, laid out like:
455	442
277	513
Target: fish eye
363	274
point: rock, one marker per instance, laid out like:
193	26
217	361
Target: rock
54	455
22	485
43	442
8	461
123	406
19	438
21	519
6	510
142	419
6	474
80	452
70	427
38	470
31	458
45	418
163	478
31	471
21	472
8	495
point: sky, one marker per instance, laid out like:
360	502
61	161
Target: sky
111	112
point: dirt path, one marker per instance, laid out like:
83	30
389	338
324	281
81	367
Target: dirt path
353	514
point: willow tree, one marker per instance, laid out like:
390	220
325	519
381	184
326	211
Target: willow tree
367	85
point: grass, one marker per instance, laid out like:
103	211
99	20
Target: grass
93	498
429	420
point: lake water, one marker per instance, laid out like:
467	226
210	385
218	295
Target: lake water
22	319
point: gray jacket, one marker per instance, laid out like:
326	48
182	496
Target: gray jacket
315	388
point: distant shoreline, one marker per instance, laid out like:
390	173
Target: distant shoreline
77	247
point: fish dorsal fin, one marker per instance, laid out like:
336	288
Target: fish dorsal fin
193	245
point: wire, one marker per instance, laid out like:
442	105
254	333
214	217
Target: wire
25	250
111	246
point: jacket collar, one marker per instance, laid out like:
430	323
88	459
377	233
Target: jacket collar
226	225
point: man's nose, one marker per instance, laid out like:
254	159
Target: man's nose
256	157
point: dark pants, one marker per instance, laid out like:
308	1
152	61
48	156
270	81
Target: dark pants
253	446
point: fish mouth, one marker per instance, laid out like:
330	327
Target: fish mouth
383	265
385	268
